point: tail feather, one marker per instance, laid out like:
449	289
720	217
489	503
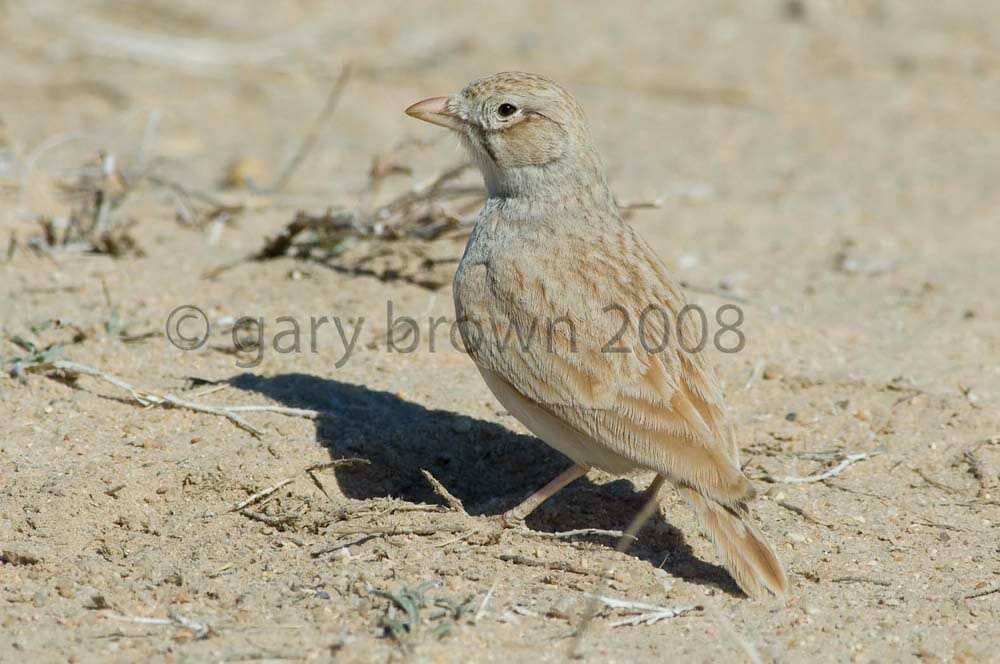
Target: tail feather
744	551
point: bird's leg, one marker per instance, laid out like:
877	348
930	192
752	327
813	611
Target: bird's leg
653	489
649	507
526	507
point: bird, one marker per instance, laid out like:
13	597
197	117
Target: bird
576	326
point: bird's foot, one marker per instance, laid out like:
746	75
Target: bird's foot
511	519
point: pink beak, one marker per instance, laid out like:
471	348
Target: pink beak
435	110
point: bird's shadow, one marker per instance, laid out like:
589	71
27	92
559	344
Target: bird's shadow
485	465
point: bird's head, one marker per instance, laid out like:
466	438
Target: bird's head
526	134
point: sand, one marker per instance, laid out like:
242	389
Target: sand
828	167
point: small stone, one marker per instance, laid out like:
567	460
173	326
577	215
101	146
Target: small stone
775	492
563	608
798	538
19	555
795	10
96	602
244	172
791	417
322	594
174	578
64	587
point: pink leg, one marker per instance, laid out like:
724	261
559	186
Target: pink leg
528	506
654	488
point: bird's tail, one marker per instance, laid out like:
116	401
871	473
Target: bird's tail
744	551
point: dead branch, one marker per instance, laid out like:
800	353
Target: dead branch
312	135
260	495
440	490
149	398
195	55
555	566
982	592
862	579
801	512
275	521
200	630
386	531
570	534
847	461
934	483
981	470
643	614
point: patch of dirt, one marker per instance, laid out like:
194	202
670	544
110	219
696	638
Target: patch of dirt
828	167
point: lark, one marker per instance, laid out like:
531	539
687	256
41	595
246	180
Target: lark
576	326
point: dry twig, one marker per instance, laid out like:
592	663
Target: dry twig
311	470
934	483
981	470
193	54
278	521
486	600
643	614
260	495
982	592
199	629
569	534
440	490
862	579
801	512
387	531
554	565
312	135
847	460
150	398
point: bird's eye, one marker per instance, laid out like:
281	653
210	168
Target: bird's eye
506	110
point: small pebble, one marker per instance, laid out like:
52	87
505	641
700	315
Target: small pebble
562	608
322	594
96	602
17	554
64	587
795	10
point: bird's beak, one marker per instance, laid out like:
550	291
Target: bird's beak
437	110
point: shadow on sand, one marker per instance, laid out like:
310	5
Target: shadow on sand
487	466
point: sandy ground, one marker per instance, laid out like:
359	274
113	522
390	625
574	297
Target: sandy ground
830	167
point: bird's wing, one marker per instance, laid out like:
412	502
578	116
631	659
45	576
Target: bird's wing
586	342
